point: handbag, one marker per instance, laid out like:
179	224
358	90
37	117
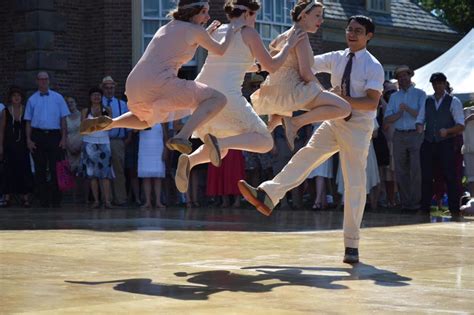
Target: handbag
66	179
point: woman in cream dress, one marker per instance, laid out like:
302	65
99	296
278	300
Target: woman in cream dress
237	126
294	87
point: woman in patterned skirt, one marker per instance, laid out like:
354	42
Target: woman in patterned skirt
96	154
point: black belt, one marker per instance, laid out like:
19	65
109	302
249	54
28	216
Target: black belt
46	131
409	130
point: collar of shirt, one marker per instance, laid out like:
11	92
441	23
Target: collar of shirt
357	54
47	93
438	103
106	99
410	88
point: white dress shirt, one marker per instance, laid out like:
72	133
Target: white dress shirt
455	109
414	98
367	73
45	112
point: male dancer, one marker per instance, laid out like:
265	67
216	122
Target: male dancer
359	78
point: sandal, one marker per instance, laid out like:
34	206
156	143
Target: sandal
183	170
214	152
95	205
180	145
108	205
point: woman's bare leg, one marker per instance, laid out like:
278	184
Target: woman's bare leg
127	120
204	112
274	121
94	185
146	185
105	183
253	142
326	106
157	190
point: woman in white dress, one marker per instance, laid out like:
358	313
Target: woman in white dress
294	87
151	165
237	126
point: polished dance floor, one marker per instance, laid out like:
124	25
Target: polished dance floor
213	261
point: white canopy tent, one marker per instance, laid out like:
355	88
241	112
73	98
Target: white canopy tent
458	66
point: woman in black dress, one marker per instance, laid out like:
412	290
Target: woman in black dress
18	176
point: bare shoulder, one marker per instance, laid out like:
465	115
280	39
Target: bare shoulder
249	32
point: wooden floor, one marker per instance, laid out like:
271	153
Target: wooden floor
230	262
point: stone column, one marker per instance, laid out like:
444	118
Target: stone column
35	40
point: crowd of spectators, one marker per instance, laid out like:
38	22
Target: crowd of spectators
421	150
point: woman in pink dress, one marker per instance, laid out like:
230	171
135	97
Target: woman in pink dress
154	91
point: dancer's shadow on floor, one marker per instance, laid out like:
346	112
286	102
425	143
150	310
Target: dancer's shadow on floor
203	284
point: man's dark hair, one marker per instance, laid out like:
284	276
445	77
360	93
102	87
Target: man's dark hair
364	21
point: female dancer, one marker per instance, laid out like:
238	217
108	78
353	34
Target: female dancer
237	126
155	93
294	87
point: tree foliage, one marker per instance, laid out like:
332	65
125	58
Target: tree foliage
457	13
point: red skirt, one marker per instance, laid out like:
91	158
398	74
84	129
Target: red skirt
223	180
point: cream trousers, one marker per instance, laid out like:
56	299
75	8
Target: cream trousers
351	139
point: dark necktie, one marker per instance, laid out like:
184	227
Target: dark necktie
346	80
109	101
44	94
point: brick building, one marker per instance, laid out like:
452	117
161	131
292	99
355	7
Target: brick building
79	42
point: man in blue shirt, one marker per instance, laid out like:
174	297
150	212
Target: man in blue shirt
46	133
402	110
119	137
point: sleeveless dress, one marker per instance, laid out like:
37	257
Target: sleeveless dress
154	91
150	153
18	176
284	91
226	74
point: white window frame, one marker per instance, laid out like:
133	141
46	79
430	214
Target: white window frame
272	23
372	5
389	71
162	21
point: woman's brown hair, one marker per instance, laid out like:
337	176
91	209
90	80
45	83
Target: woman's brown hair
187	13
233	12
301	5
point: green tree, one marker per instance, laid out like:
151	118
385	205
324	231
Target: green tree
457	13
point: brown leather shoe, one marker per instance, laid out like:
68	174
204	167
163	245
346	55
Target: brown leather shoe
257	197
